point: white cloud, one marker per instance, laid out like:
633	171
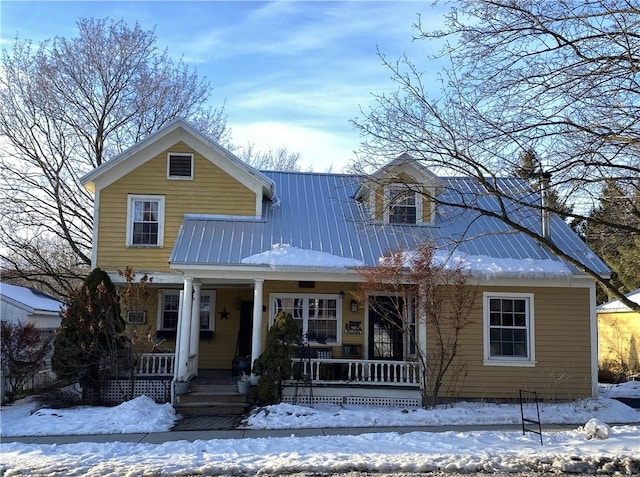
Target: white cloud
319	149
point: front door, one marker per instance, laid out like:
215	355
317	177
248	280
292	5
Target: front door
246	329
385	328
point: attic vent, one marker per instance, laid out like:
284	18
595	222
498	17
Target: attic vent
180	166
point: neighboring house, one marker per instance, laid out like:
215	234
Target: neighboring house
25	305
619	336
246	244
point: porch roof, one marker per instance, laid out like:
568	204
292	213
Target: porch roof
318	212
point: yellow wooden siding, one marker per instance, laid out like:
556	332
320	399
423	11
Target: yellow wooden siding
619	340
378	201
211	191
562	351
426	206
381	214
562	341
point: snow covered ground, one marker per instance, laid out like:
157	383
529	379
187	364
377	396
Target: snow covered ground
589	447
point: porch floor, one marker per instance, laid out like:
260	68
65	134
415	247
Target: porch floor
214	376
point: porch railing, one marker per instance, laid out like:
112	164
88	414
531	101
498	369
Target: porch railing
358	372
155	364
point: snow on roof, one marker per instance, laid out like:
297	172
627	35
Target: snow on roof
615	305
284	255
30	297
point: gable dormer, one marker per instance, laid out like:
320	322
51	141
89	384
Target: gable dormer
401	193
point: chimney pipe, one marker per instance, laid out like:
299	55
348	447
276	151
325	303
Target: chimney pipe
545	181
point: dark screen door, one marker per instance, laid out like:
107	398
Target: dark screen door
385	328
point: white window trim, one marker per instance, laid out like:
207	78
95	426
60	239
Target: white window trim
412	323
212	312
176	292
131	199
160	318
489	360
179	178
388	190
323	296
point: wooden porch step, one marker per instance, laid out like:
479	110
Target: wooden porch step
212	397
211	408
211	400
213	388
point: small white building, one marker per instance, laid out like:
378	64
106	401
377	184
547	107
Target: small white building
26	305
23	304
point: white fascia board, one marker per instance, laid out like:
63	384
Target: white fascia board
575	281
267	273
157	278
145	151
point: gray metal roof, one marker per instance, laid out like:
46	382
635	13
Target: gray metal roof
317	211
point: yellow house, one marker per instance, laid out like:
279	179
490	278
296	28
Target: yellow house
619	336
243	244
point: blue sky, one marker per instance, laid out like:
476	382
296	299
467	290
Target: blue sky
292	73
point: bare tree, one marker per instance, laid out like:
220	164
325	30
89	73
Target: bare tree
23	350
423	290
66	106
280	159
560	78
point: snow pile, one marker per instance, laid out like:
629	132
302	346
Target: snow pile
595	429
492	267
326	452
284	255
141	414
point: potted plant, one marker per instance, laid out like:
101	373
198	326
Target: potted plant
244	383
182	387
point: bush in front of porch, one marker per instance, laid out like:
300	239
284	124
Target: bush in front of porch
273	366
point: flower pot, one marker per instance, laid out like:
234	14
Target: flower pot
244	386
182	387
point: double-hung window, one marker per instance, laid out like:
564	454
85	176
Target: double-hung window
403	205
145	220
318	317
170	310
508	329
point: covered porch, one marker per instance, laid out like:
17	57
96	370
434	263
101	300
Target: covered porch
349	350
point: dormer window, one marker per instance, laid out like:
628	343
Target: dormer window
179	166
403	206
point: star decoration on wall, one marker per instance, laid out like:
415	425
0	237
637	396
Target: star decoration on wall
224	314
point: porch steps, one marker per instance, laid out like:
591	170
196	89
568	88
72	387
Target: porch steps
212	400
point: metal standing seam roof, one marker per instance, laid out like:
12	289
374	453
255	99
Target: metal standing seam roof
317	211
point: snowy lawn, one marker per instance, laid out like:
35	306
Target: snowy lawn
590	447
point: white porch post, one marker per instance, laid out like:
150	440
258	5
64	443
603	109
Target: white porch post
421	316
194	345
256	338
184	324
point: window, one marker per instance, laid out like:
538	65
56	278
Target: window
318	317
411	336
508	329
145	221
403	205
170	309
179	166
207	307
